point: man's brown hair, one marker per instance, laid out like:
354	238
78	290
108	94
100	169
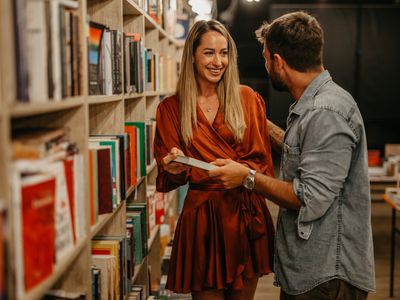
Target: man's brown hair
297	37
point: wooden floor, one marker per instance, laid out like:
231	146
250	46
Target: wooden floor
381	222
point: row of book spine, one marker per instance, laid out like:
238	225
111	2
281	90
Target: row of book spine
49	55
48	192
48	49
115	257
116	163
144	70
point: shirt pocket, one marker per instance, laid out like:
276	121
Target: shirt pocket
290	162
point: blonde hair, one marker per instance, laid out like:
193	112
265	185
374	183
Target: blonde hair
227	88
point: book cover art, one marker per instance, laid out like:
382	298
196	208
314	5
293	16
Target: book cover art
94	47
38	195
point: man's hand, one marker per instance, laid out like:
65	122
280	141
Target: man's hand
173	167
231	174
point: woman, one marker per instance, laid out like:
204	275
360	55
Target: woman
224	238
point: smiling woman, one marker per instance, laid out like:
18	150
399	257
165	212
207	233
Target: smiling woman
224	237
211	59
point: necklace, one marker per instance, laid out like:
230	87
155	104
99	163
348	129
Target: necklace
207	106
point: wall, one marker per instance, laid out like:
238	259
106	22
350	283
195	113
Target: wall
361	46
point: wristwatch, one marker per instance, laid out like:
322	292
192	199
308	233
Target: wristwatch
249	181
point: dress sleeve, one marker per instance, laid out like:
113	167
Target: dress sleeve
167	137
256	141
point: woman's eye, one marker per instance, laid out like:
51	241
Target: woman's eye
224	53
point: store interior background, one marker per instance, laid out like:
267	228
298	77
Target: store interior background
362	42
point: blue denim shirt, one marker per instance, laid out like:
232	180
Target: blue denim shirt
325	156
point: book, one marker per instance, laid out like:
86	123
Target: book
34	201
193	162
64	227
94	54
107	265
141	140
112	247
36	43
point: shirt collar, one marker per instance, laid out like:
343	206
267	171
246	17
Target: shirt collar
305	101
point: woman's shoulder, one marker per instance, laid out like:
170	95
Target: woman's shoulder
169	102
250	96
245	90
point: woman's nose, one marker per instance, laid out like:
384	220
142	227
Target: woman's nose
217	59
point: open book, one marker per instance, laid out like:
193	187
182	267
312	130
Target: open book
190	161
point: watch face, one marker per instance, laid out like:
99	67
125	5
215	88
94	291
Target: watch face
249	183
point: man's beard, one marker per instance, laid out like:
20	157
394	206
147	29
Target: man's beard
276	81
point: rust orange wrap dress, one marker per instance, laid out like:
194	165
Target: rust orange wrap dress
222	236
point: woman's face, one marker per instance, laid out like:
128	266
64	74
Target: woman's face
211	57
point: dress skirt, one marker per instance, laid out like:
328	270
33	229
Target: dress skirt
223	237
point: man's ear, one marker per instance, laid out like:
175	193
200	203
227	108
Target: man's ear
279	62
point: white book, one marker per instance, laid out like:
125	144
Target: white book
107	265
15	181
64	236
193	162
37	50
79	196
107	60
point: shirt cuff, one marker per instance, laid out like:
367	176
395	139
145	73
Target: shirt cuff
304	229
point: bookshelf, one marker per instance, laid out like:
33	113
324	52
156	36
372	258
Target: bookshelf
84	115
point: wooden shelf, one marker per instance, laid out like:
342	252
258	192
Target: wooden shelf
103	220
152	237
83	116
132	189
132	8
151	168
134	96
19	110
99	99
138	268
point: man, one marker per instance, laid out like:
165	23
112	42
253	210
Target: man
324	244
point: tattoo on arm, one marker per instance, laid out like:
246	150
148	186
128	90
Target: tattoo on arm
276	136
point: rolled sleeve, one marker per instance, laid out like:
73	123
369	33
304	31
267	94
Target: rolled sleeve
324	163
304	229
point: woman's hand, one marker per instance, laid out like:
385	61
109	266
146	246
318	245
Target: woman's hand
230	173
173	167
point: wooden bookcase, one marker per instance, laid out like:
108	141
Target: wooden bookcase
84	115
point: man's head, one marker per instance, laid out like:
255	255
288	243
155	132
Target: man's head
295	38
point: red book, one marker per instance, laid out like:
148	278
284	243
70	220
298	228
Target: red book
131	130
104	180
38	238
91	188
69	178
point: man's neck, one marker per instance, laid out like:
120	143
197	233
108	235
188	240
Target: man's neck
300	81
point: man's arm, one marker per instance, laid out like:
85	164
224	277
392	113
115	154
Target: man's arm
278	191
232	174
276	134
